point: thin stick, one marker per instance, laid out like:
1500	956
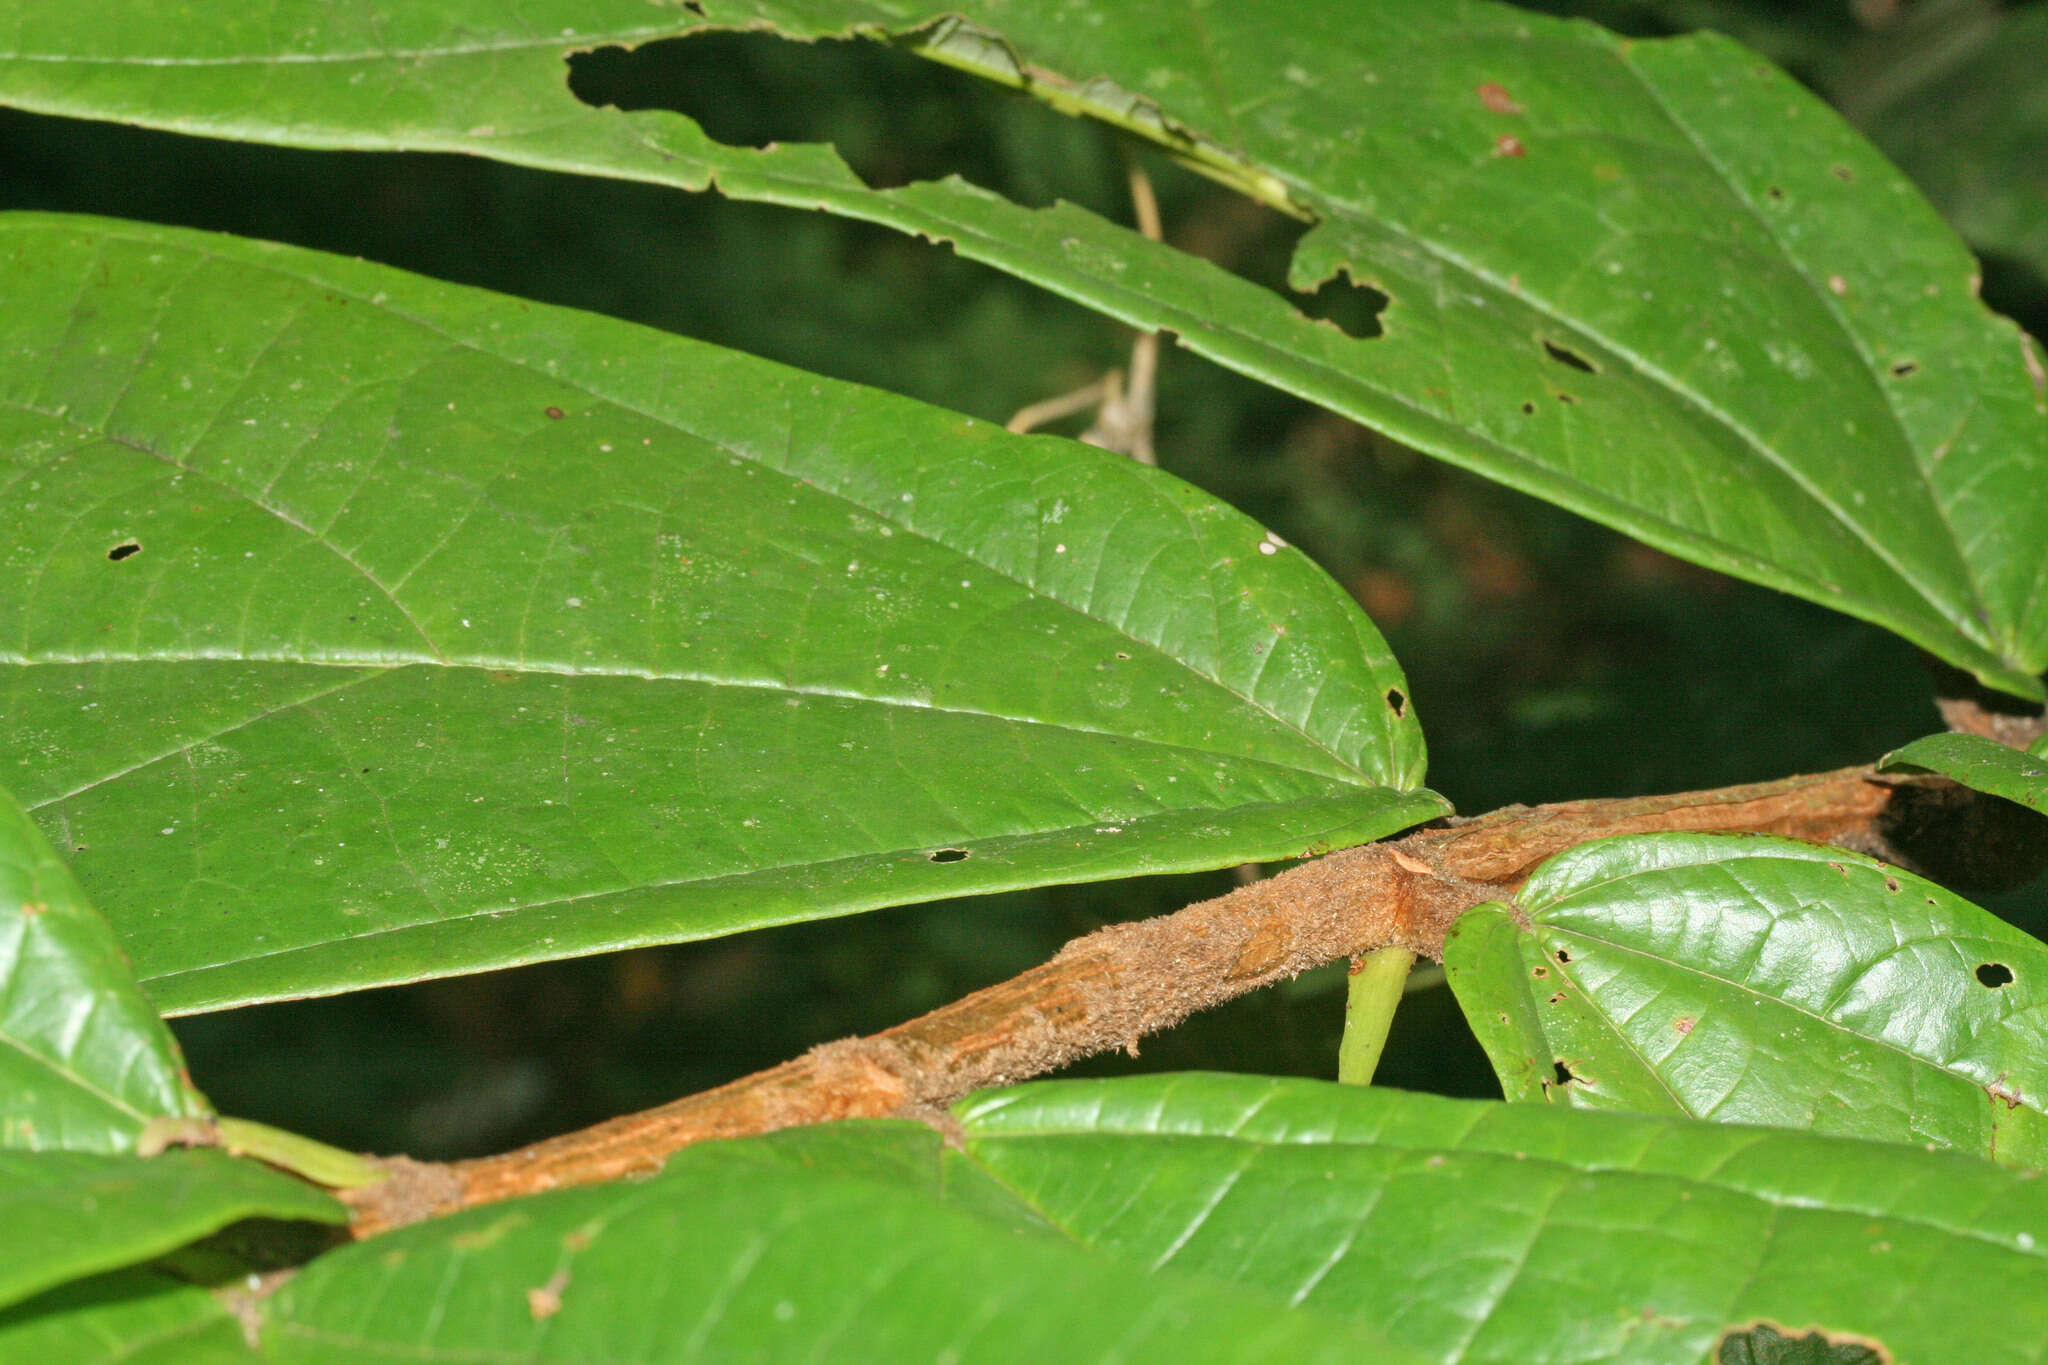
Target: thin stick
1123	418
1035	415
1125	422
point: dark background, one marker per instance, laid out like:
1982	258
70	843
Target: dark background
1549	658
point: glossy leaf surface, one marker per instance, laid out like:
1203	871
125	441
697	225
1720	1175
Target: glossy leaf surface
1983	764
361	628
1756	980
1654	282
1211	1217
84	1059
74	1214
128	1317
856	1242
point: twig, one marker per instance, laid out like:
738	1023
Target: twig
1123	417
1035	415
1124	421
1116	985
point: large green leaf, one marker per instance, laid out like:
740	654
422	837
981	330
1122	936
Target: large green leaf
1518	1233
852	1242
1213	1217
84	1061
74	1214
1756	980
362	628
1983	764
129	1317
1656	283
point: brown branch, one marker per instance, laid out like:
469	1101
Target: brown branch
1970	708
1113	986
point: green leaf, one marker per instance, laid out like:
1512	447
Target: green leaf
84	1061
366	628
1982	764
129	1317
850	1242
73	1214
1653	282
1212	1217
85	1064
1518	1233
1758	980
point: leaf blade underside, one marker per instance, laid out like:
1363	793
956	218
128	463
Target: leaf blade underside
1985	765
1211	1217
1653	282
85	1062
368	628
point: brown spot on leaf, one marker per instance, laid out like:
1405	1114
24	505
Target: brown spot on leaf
1683	1024
1509	146
546	1301
482	1238
1495	97
554	414
34	908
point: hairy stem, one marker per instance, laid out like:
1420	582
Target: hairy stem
1112	987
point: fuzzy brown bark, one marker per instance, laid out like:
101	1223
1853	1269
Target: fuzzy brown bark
1970	708
1110	988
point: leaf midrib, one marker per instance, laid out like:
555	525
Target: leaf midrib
1343	207
1828	1023
671	423
382	667
64	1071
1825	297
1347	210
1960	621
746	875
1522	1161
563	42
